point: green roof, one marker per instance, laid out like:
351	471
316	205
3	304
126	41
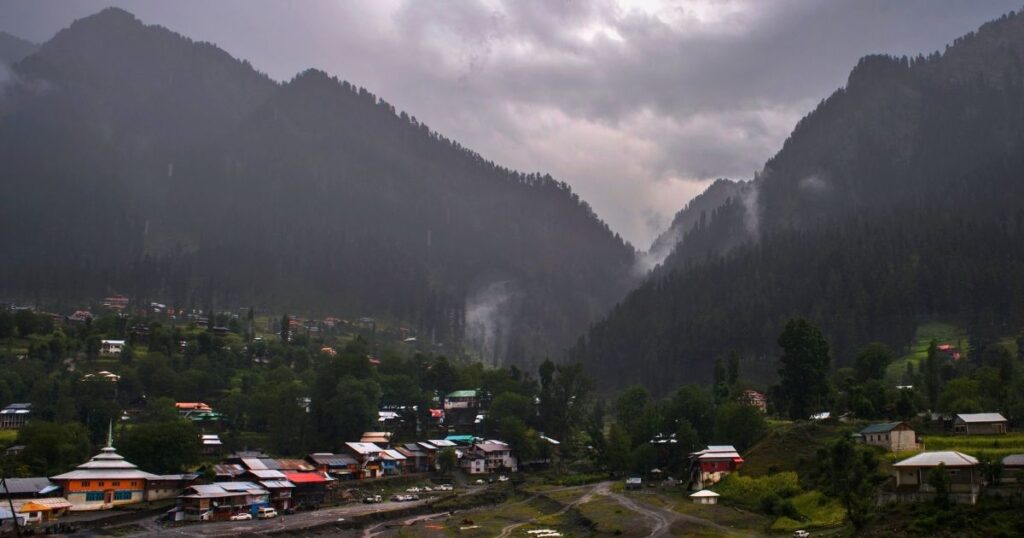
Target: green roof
462	394
881	428
461	438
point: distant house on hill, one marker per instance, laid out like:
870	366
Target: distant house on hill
755	398
710	465
892	436
15	416
979	424
111	347
1013	465
911	475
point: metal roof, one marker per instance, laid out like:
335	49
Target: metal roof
268	474
333	460
704	493
950	458
363	448
394	454
276	484
971	418
1014	460
881	428
462	394
27	485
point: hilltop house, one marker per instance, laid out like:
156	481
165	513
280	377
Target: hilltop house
892	436
710	465
460	408
15	416
979	424
755	399
111	347
911	484
105	481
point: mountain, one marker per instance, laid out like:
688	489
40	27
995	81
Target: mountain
695	214
899	198
149	164
13	48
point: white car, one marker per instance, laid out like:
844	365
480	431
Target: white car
502	478
243	516
445	487
480	482
428	489
413	490
266	513
801	534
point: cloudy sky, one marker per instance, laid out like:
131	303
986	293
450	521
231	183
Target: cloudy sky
637	104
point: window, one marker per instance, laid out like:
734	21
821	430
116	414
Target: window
122	495
85	483
133	482
115	483
93	496
100	483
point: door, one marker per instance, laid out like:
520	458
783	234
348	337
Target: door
108	496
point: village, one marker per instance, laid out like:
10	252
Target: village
437	433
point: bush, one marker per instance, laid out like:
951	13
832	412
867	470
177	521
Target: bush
751	492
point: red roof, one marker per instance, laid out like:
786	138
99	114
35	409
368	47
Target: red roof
305	478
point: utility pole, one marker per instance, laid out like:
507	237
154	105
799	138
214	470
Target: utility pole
10	503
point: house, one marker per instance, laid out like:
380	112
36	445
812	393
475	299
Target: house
497	456
460	408
704	497
379	438
168	486
218	502
311	489
212	444
15	416
105	481
473	463
368	456
892	436
462	440
1012	467
754	398
979	424
338	466
912	477
710	465
29	488
392	462
416	459
80	316
116	302
103	374
111	347
42	511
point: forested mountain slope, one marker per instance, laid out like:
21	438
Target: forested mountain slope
144	163
898	198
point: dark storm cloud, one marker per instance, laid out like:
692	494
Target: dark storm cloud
635	103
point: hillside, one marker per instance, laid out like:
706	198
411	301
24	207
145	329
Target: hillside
898	198
168	170
14	48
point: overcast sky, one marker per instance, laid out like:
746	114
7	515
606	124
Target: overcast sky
637	104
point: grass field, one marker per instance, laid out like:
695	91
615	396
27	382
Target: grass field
943	333
818	511
993	446
788	446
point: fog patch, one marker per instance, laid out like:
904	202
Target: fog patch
752	209
813	184
489	317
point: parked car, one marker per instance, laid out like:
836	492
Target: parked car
413	490
502	478
801	534
412	497
266	512
634	482
373	499
445	487
241	516
480	482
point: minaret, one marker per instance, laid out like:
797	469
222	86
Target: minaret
110	433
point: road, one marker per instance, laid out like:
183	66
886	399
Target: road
294	523
661	519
